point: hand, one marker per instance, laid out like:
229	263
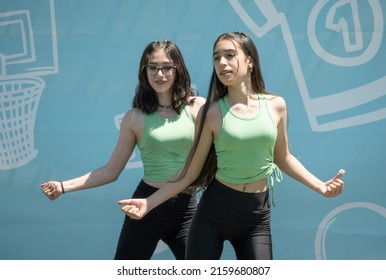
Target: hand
52	189
134	208
334	187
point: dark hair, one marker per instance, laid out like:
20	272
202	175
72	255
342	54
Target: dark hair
218	90
145	98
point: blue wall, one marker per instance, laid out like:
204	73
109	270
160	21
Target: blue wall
68	70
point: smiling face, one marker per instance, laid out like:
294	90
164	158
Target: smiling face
230	63
162	81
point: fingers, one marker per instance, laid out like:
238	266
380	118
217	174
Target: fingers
131	202
50	190
134	208
340	174
124	202
334	188
132	211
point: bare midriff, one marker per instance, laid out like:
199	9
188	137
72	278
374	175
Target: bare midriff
253	187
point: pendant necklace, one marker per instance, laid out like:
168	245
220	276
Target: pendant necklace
164	107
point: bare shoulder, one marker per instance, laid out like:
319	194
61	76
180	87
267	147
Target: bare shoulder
196	105
214	109
214	118
133	119
276	102
214	112
134	113
198	101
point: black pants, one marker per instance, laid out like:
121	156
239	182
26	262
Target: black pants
226	214
168	222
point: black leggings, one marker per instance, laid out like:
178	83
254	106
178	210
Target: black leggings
226	214
168	222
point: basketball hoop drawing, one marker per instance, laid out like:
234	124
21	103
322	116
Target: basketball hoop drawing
20	84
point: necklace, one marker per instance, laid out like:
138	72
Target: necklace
164	107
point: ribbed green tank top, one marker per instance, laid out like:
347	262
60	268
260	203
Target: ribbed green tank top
245	144
165	144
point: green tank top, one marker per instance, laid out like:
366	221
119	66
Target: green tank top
245	145
165	144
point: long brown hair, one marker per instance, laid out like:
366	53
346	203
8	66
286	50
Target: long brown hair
145	97
216	91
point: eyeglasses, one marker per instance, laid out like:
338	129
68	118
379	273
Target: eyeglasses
153	70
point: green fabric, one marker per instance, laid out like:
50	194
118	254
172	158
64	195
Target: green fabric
245	144
165	144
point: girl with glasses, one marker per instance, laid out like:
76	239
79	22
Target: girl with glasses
161	124
240	147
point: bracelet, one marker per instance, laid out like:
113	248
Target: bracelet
61	184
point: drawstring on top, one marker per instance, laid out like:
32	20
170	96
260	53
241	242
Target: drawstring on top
278	176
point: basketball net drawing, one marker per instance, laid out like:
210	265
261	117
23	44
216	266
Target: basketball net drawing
24	58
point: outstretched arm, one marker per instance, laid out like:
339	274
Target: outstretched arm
105	174
292	166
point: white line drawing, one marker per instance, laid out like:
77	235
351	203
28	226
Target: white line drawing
161	247
320	239
340	101
20	83
342	25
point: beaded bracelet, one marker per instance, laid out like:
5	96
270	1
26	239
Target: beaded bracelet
61	184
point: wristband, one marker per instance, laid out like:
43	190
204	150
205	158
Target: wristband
61	184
